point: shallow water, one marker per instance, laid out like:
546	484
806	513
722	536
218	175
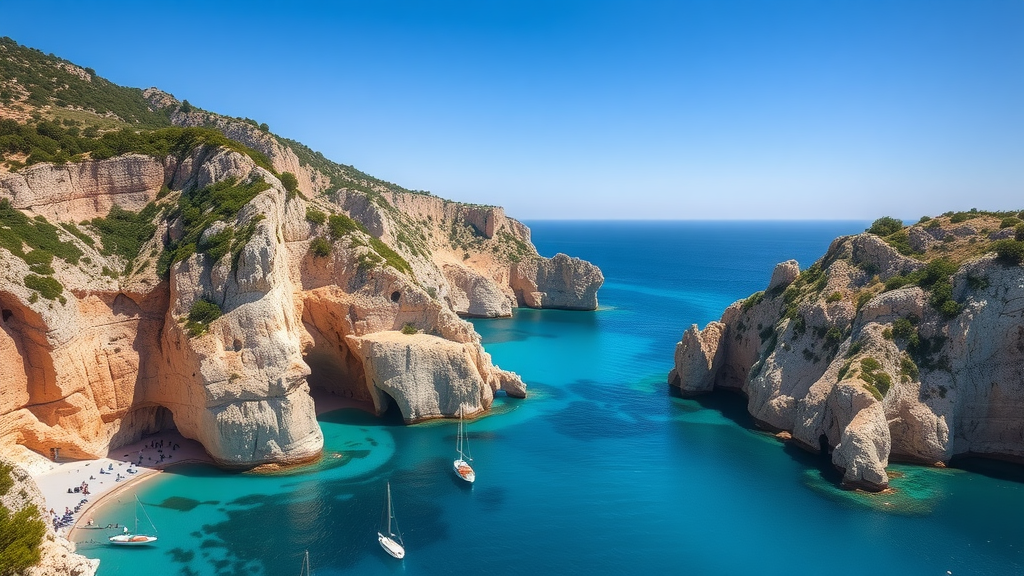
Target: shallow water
601	470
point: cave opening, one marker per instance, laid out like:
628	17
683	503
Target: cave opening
396	296
142	421
823	445
6	314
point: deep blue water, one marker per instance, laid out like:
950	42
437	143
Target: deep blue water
601	470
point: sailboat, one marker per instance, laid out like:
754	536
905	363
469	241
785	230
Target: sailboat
134	538
306	570
462	468
391	539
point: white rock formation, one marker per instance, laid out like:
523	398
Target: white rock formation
836	371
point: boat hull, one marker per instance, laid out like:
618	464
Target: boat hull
464	471
390	546
131	540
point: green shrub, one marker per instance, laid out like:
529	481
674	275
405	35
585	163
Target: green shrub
315	216
123	232
199	209
409	329
1009	251
834	297
863	298
1018	233
1007	222
21	535
901	242
882	382
392	258
885	226
924	219
18	231
341	225
290	183
869	364
902	328
39	261
320	247
752	300
217	245
46	286
908	368
874	391
6	480
898	282
70	227
202	313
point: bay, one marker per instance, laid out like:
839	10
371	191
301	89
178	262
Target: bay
600	470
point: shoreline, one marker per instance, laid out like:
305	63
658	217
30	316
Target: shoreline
147	458
59	476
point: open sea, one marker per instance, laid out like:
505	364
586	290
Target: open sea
600	470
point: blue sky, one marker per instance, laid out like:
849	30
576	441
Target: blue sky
720	109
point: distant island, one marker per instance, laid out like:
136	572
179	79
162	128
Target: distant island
902	343
163	266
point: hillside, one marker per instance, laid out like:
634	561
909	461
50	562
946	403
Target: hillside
162	266
902	343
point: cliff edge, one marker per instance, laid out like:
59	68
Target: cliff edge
903	343
162	266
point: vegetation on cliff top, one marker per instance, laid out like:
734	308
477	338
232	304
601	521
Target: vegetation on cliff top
29	75
46	141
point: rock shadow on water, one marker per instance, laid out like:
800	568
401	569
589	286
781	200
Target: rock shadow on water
392	417
183	504
991	467
336	522
731	405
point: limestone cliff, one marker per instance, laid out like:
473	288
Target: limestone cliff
164	266
884	349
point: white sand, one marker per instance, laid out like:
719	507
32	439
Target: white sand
55	482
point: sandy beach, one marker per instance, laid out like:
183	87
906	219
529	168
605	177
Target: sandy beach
142	458
105	477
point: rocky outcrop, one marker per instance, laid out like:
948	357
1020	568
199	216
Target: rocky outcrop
428	376
57	555
845	359
560	282
699	356
118	355
77	191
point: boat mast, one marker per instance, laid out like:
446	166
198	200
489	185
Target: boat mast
389	508
458	444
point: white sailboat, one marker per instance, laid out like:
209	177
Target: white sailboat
461	466
306	570
134	538
389	536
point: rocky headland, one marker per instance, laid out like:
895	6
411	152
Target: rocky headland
901	343
162	267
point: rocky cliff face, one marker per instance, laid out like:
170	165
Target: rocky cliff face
875	355
301	292
57	555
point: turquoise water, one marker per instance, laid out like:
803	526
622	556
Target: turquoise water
601	470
